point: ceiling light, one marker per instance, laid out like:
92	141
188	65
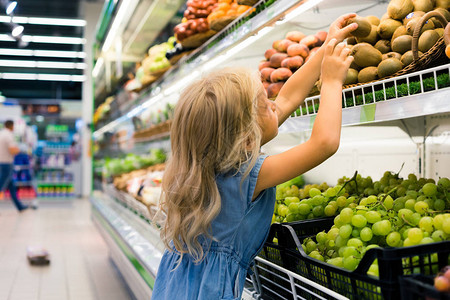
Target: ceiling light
45	77
17	31
42	53
43	21
45	39
10	8
42	64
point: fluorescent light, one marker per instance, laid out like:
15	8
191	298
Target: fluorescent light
11	7
45	39
43	53
98	67
43	21
125	10
44	77
17	31
42	64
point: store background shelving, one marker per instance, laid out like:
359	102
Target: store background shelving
380	133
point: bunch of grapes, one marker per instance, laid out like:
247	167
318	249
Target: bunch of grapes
416	216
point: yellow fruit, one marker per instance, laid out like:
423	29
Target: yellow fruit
398	9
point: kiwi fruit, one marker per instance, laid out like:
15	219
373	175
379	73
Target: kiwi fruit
408	58
389	66
368	74
372	38
410	16
364	27
387	28
365	55
427	40
443	4
402	44
351	40
440	31
399	32
423	5
445	13
384	46
398	9
353	65
373	20
392	55
413	22
352	77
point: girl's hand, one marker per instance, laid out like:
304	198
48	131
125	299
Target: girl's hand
339	30
336	62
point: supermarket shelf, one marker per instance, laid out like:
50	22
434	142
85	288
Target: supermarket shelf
22	167
49	183
53	168
424	101
23	183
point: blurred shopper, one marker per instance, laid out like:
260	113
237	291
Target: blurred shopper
8	149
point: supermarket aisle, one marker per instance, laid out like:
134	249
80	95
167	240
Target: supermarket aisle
80	267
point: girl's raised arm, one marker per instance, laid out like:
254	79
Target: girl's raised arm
298	86
326	131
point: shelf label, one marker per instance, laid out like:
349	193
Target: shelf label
368	113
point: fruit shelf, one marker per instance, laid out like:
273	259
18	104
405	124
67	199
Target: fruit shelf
412	95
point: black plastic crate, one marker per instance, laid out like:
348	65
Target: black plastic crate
392	263
420	287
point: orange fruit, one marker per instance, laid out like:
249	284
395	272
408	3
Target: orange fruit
242	8
447	51
231	12
223	6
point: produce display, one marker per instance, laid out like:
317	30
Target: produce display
194	29
285	57
131	162
391	212
225	12
382	47
103	109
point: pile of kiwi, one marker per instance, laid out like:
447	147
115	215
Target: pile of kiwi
382	47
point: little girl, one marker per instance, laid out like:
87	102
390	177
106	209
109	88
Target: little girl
219	190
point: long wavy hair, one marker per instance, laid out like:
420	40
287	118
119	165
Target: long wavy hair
214	131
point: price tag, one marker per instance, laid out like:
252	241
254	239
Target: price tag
368	113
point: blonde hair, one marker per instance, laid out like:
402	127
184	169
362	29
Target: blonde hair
214	131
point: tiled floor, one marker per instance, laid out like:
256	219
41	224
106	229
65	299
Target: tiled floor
80	267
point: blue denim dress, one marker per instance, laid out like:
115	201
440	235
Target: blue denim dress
239	233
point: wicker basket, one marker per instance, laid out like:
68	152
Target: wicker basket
247	2
433	57
196	40
221	23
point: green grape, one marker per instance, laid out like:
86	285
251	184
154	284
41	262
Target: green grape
329	210
337	261
355	232
310	216
346	215
444	183
355	242
393	239
334	204
330	244
314	192
293	207
283	210
409	204
321	237
421	207
415	219
340	241
373	270
350	251
429	189
429	202
399	203
291	217
310	246
446	225
304	209
426	240
341	201
405	213
330	192
345	231
366	234
438	236
337	221
401	191
316	255
332	233
373	216
341	251
289	200
388	202
439	205
381	228
318	211
408	243
317	200
412	193
437	221
350	263
359	221
426	224
415	235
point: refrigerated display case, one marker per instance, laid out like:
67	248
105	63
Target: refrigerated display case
398	124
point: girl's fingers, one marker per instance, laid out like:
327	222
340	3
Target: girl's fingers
348	61
330	47
348	29
338	49
345	52
342	20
